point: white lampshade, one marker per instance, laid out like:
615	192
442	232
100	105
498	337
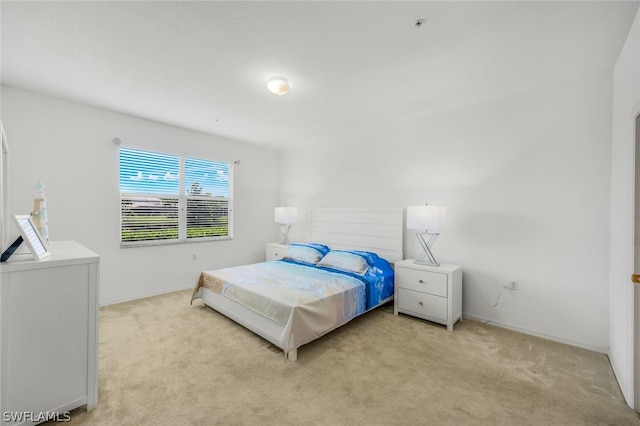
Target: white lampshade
425	218
285	215
278	85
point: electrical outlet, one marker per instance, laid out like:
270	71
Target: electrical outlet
194	257
513	285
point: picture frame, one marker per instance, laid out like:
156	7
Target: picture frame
31	236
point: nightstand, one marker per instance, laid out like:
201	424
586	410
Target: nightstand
275	251
433	293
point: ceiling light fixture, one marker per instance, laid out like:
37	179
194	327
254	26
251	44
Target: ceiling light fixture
278	85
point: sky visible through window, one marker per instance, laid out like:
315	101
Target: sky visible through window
144	172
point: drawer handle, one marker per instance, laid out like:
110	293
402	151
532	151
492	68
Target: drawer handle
421	282
420	303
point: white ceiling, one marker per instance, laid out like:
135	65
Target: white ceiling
204	65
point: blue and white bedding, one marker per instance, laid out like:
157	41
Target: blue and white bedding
374	272
306	296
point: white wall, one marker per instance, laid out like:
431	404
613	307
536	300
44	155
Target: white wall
69	146
525	181
626	104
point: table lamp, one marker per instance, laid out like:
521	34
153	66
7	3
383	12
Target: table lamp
425	221
285	216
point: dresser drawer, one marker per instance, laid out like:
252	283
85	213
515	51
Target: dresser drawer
426	282
422	304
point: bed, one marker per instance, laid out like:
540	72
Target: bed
343	272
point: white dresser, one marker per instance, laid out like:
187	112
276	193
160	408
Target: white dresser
433	293
48	333
275	251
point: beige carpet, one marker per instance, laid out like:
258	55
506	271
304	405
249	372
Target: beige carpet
164	362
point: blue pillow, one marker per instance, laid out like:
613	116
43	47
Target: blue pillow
320	247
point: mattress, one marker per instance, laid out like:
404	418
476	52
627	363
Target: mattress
306	301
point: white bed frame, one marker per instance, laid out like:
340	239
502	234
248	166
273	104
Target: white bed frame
376	230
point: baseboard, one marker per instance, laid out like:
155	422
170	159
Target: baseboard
144	296
617	374
600	349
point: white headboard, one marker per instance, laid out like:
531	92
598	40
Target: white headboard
376	230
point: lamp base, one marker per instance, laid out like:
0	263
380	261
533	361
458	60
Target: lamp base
285	228
426	257
417	262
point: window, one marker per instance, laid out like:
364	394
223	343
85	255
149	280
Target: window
166	198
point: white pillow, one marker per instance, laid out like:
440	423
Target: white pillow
303	254
345	261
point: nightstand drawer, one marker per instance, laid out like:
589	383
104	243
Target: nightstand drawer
422	304
432	283
275	253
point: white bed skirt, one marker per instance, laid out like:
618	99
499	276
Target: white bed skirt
262	326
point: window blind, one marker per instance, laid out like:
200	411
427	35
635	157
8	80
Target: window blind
167	198
207	184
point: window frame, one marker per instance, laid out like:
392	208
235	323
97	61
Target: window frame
182	197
